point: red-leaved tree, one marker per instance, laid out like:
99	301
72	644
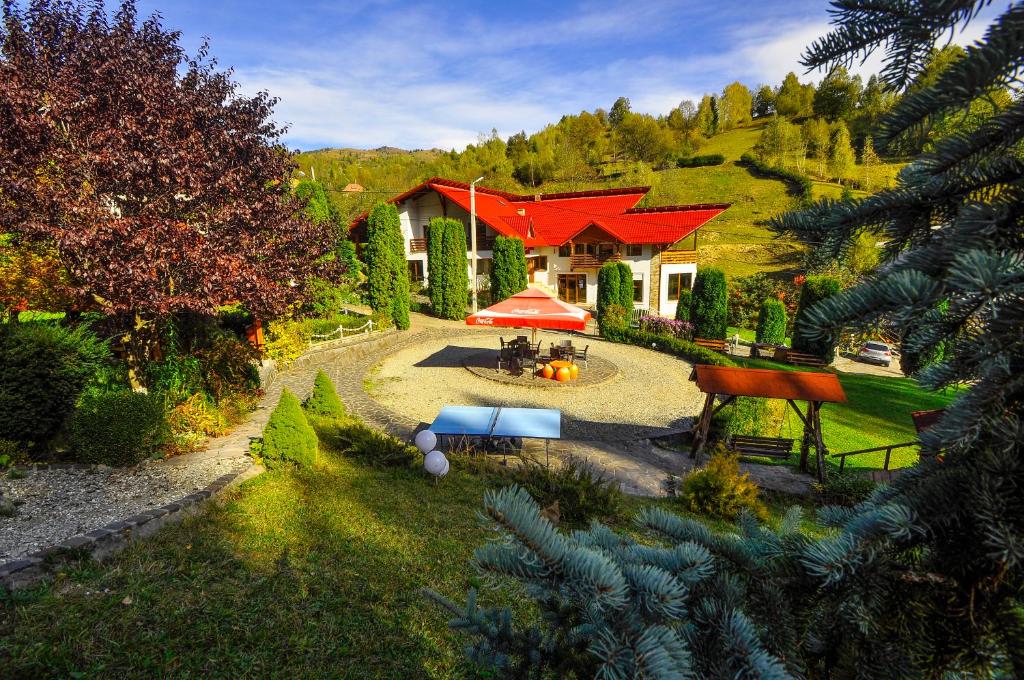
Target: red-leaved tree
161	189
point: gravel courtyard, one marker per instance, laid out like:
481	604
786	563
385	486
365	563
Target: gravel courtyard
650	395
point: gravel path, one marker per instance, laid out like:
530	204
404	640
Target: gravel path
651	394
56	504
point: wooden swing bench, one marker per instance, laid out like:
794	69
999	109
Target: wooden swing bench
713	345
767	447
802	359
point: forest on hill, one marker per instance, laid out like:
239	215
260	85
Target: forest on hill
728	147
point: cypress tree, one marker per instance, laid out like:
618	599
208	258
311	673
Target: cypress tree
324	400
387	281
508	268
625	286
771	322
456	272
435	263
685	305
805	339
288	437
709	309
608	288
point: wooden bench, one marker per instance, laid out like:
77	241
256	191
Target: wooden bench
769	447
801	359
713	345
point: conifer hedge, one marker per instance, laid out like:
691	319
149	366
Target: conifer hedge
448	268
288	436
814	290
508	268
608	288
684	305
625	285
324	400
771	322
387	277
709	310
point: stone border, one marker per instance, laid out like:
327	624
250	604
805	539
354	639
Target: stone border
598	372
115	536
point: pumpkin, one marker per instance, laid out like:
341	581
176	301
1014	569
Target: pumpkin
574	371
548	371
563	374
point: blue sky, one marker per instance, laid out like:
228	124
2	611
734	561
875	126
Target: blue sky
367	73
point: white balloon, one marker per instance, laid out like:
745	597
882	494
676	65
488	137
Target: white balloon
435	462
426	440
447	466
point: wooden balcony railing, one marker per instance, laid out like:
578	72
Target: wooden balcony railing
592	261
417	245
679	257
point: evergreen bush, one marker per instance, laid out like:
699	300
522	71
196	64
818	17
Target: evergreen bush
435	262
44	369
805	337
351	437
771	322
117	428
709	309
508	268
448	268
288	436
608	281
324	400
613	322
719	489
849	488
700	161
387	281
582	491
683	349
799	185
625	286
684	305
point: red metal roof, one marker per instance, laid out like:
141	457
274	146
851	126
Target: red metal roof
761	382
557	218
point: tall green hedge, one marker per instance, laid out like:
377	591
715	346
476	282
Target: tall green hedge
814	290
685	304
508	268
288	436
625	285
709	310
771	322
387	277
608	281
448	268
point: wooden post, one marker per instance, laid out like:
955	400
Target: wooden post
819	443
700	433
805	443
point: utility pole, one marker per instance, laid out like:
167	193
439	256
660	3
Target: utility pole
472	234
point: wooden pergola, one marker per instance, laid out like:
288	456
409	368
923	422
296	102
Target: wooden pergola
730	382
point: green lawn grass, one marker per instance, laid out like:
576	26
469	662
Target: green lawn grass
876	413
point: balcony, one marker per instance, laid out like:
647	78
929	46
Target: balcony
679	257
417	245
578	262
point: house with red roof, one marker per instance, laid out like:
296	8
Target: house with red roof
567	236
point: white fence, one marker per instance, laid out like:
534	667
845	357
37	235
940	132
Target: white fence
342	332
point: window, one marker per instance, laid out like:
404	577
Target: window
572	288
605	249
676	283
564	251
638	289
634	250
585	249
542	263
416	271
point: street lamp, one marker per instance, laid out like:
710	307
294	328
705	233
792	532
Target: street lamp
472	233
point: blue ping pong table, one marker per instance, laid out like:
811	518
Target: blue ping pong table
498	421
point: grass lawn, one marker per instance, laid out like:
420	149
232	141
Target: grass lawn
877	413
296	574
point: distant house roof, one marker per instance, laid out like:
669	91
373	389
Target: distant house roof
555	219
353	187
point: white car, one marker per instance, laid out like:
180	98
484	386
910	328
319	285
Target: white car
875	352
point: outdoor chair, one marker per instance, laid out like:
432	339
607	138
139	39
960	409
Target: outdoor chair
581	356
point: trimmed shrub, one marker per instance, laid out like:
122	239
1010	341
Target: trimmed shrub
684	306
118	428
720	489
683	349
353	438
435	262
710	304
44	369
771	322
324	401
613	322
700	161
580	488
662	326
814	290
625	285
508	268
456	272
608	288
288	436
387	281
848	488
287	339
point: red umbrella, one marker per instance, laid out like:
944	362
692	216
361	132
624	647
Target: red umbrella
534	309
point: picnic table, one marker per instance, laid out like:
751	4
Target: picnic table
499	423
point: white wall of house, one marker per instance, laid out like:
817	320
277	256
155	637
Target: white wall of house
415	214
641	266
667	307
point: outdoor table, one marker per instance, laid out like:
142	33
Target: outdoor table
491	421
